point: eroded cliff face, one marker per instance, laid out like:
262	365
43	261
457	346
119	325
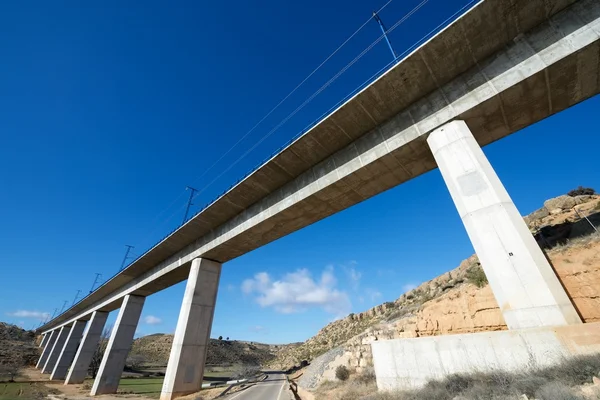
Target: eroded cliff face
460	301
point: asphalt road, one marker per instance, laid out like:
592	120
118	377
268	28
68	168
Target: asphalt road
275	387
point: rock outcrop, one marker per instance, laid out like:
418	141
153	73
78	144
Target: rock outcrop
459	302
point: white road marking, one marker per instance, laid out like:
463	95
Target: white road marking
281	390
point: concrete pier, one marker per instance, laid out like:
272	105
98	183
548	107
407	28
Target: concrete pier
67	353
47	348
44	340
524	284
119	344
185	370
61	337
89	344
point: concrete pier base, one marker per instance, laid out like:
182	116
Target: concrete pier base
61	337
67	353
119	344
85	352
47	348
524	284
185	370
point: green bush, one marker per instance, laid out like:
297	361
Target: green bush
476	276
342	373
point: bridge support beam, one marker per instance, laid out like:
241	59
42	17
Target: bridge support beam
89	344
61	337
67	353
185	370
45	338
524	284
47	348
119	344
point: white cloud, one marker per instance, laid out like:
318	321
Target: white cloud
298	291
152	320
409	286
354	277
30	314
230	287
374	294
258	329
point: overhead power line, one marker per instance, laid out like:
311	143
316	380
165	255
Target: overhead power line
315	94
291	93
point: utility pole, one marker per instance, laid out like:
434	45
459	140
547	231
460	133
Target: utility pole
95	281
76	296
129	247
384	30
189	204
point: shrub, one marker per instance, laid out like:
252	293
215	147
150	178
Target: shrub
366	377
581	191
342	373
556	391
476	276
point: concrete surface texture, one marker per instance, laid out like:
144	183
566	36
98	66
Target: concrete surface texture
410	363
87	348
44	340
47	348
523	282
67	354
119	344
61	337
185	369
506	64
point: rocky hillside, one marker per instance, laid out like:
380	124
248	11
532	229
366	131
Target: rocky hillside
154	350
460	301
17	344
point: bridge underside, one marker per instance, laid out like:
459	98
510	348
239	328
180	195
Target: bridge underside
529	76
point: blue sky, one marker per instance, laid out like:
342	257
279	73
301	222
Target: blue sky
107	112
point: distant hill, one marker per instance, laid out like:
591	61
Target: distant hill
155	349
15	341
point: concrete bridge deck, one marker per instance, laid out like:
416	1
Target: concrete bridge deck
502	66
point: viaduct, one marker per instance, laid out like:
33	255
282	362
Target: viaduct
500	67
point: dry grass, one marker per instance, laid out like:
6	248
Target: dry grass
582	241
560	382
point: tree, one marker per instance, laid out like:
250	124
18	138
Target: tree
135	361
99	353
10	365
227	338
220	337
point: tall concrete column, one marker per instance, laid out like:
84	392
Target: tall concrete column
61	337
524	284
44	339
185	370
89	344
47	348
65	358
119	344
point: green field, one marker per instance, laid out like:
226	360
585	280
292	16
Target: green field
149	387
18	390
